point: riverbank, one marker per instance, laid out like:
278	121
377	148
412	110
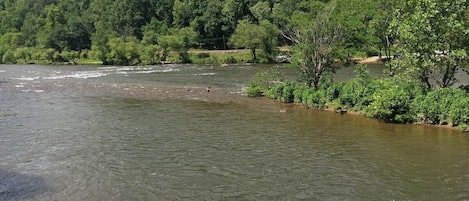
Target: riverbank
370	60
392	100
195	56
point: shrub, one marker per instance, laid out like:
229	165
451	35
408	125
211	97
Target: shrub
70	56
150	54
333	92
435	107
287	95
298	94
22	55
275	91
229	60
263	81
356	93
8	57
459	111
391	103
203	55
254	91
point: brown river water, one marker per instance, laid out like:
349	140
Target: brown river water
157	133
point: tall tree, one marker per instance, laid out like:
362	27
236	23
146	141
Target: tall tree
432	34
51	35
256	36
315	41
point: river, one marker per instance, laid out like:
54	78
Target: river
187	132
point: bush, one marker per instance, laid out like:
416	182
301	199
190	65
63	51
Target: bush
229	60
333	92
70	56
357	92
391	103
203	55
436	106
22	55
298	94
459	111
8	57
287	95
263	81
275	91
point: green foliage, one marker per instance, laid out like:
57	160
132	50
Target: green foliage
178	40
298	94
276	91
123	51
314	42
459	111
256	36
419	27
396	99
8	57
392	101
149	54
443	106
263	82
357	93
431	33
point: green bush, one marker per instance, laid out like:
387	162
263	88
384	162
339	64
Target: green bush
459	111
356	93
298	94
23	55
150	54
333	92
287	95
70	56
8	57
254	90
263	81
229	60
435	107
275	91
390	103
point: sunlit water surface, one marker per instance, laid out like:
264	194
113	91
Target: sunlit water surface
187	132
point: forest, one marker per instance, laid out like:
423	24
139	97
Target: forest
126	32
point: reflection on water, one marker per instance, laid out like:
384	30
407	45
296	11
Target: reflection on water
14	186
162	136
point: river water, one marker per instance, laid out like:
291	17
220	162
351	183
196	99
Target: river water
187	132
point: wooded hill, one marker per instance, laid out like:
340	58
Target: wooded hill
145	31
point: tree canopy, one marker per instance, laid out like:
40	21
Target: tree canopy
89	27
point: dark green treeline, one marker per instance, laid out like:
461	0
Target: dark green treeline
148	31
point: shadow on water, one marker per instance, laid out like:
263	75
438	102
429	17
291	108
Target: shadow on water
15	186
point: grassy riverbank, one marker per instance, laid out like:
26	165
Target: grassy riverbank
394	100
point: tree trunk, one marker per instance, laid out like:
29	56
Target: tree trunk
253	52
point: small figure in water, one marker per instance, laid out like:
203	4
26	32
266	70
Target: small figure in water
208	89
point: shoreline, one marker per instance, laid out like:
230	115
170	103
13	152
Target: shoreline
370	60
359	113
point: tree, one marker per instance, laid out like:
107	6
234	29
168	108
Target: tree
235	10
255	36
382	30
314	43
123	51
178	40
51	35
432	34
262	10
210	24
